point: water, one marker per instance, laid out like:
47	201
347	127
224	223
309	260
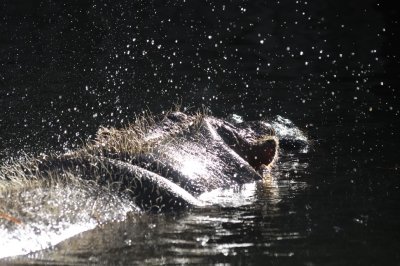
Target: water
332	68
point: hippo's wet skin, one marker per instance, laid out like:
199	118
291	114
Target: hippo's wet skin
188	156
151	166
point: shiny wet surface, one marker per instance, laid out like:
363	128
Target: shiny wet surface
302	214
330	68
244	222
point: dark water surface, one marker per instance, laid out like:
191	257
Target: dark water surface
331	67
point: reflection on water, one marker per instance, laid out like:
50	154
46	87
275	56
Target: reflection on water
253	219
233	197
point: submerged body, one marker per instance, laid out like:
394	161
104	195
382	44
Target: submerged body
148	166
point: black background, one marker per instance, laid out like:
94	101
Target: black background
62	63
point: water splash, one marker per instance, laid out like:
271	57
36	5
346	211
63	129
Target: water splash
52	215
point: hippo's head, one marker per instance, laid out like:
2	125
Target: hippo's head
254	141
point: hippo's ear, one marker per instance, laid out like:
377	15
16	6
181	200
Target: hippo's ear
260	153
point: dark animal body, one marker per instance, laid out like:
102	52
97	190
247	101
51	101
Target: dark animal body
150	165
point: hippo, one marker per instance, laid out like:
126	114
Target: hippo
152	165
